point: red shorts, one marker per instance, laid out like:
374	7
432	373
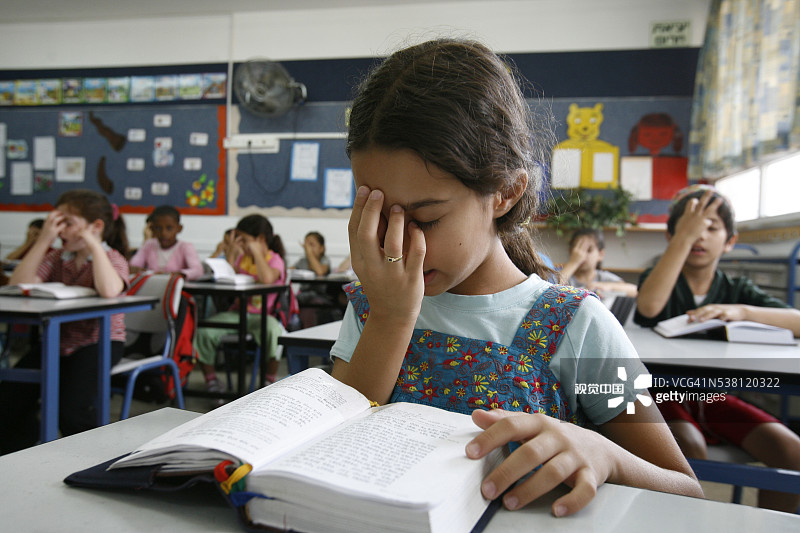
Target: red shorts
729	420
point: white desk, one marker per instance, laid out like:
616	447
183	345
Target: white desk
50	314
704	355
315	341
36	499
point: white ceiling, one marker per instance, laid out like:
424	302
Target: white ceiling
20	11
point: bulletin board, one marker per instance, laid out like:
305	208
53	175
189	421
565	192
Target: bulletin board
311	172
140	156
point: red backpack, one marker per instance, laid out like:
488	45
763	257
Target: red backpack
160	386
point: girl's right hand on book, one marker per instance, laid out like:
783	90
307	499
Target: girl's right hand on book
378	232
559	452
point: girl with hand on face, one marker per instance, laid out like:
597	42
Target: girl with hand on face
261	256
93	254
451	309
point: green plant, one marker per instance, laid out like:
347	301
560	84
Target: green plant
571	209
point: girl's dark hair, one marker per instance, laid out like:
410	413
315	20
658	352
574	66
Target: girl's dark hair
165	210
256	225
36	223
92	206
595	234
725	212
458	105
317	235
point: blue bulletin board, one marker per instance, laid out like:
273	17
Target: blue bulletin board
139	156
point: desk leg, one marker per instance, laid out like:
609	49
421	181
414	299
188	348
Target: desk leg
262	353
104	371
50	376
240	379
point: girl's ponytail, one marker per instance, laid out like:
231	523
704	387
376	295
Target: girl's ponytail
518	244
116	234
276	245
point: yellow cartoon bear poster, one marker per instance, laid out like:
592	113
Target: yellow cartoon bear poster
583	160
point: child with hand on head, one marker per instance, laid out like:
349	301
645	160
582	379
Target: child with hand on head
92	254
586	252
314	258
451	309
164	253
261	256
34	228
226	248
700	228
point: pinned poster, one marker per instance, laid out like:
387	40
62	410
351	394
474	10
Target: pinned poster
338	187
305	161
21	178
70	169
44	153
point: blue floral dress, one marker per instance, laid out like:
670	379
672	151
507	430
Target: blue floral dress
461	374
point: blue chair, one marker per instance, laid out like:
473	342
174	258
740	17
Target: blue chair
150	336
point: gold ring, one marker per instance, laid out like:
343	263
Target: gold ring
390	259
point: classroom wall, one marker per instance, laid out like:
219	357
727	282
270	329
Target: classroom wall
505	25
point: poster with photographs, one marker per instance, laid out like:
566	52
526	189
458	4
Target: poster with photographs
214	85
166	88
25	92
6	92
119	89
72	90
70	124
94	90
50	92
191	86
143	89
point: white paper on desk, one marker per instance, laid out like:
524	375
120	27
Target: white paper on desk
21	178
3	138
305	161
338	187
70	169
44	153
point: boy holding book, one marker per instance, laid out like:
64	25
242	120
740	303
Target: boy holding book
686	279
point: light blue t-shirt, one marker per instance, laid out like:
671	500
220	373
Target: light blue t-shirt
594	347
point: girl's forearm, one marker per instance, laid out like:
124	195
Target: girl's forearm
634	471
107	281
27	267
376	361
266	274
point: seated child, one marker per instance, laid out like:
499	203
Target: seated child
164	252
316	299
92	254
34	228
261	257
686	280
586	252
226	248
314	258
452	309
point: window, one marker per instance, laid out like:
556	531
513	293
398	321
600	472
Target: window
769	190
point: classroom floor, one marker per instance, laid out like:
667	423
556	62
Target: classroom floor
713	491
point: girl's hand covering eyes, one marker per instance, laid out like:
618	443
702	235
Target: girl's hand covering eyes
394	289
697	216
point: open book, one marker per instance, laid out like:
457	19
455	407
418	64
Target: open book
50	289
324	460
221	271
735	331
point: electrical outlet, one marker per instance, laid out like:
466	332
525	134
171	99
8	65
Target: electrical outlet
263	143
